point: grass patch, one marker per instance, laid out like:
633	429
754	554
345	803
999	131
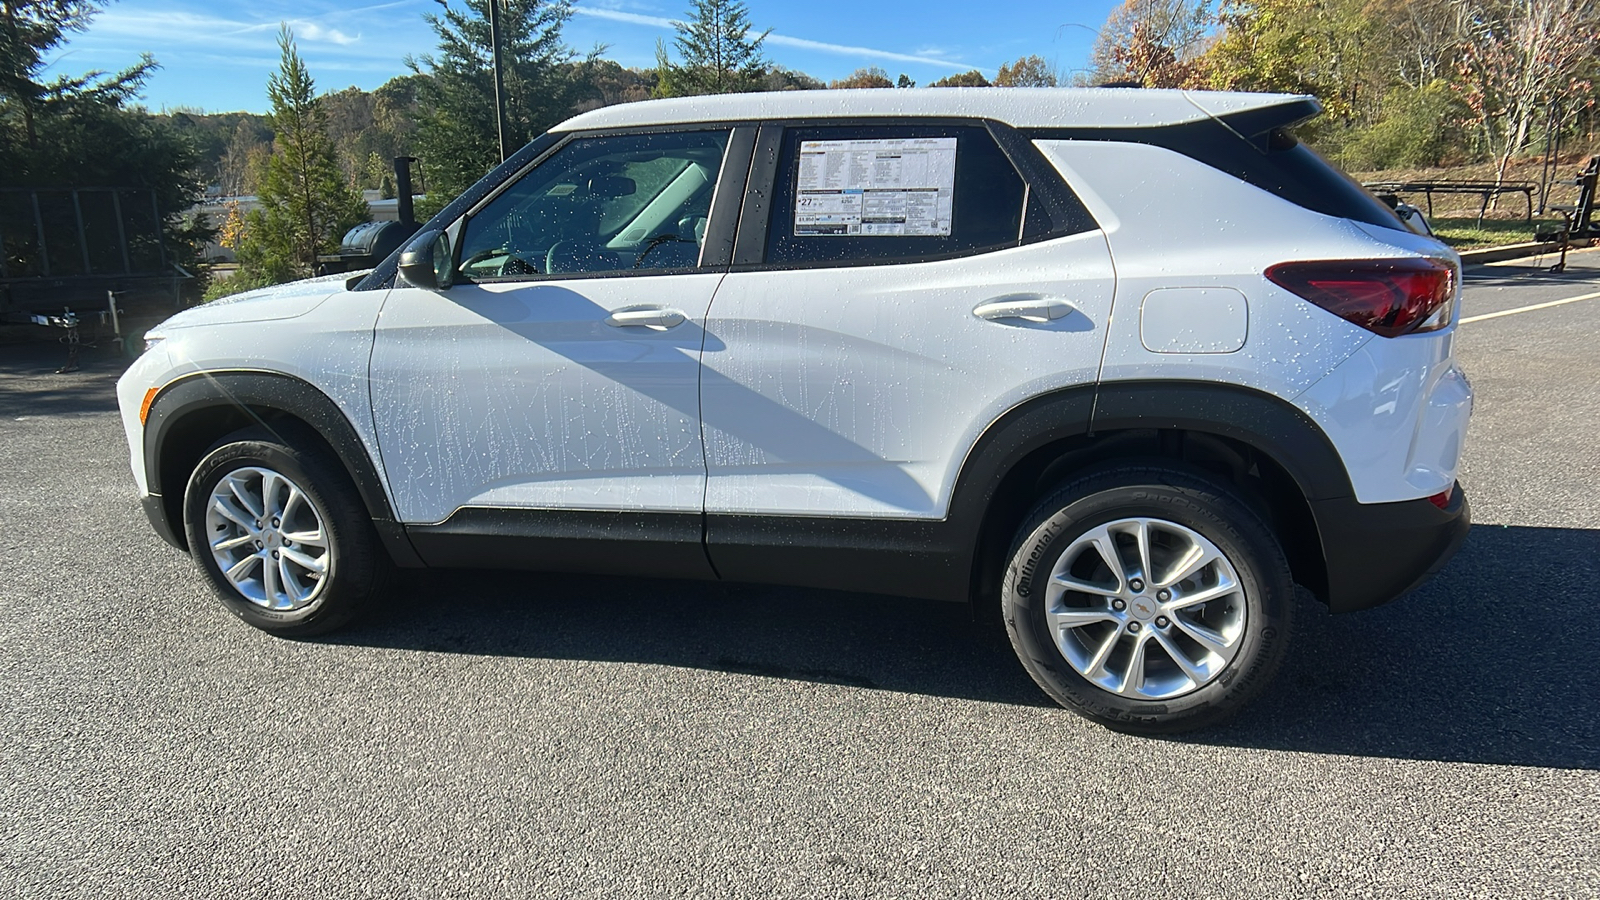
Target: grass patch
1470	234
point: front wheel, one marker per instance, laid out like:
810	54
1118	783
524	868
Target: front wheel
275	524
1149	599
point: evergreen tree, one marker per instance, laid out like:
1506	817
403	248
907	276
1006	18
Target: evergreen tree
456	138
307	205
719	56
666	81
28	30
79	131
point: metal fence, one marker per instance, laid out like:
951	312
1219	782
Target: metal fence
87	233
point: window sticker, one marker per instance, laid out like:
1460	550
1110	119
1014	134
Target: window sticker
894	188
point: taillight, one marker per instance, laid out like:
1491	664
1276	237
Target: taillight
1389	296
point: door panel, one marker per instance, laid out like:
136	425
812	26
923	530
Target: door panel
562	372
858	391
519	395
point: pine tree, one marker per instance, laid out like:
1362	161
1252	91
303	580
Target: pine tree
719	56
666	82
306	204
29	30
456	138
83	130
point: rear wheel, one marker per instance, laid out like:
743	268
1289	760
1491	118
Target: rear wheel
277	527
1149	599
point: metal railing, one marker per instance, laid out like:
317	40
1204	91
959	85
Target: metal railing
1487	190
80	233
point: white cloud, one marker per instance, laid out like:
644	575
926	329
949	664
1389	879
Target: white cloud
311	31
783	40
157	27
171	26
617	15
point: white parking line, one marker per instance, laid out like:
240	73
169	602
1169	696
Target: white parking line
1523	309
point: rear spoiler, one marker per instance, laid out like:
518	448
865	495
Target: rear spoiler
1257	124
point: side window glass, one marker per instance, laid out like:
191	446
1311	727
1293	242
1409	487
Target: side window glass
629	203
849	195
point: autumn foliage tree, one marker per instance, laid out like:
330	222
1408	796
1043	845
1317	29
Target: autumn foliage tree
1333	49
973	78
872	77
1518	57
1402	79
1143	57
1029	71
1157	43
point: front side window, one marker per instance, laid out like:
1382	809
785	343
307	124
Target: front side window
849	195
629	203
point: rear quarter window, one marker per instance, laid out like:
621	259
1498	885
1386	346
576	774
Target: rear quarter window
1299	174
1273	160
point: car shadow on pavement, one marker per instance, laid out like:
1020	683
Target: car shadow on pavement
1489	663
858	640
30	386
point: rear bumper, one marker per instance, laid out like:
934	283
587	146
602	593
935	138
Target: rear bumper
1376	552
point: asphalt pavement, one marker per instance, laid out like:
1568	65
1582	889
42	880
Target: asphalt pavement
521	735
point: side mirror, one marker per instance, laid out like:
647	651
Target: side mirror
426	262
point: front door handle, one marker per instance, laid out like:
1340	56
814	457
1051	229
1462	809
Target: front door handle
657	317
1033	309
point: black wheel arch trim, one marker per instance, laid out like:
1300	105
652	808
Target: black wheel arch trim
243	394
1271	425
979	522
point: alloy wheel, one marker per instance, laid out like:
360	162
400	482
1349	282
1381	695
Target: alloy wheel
1146	608
268	539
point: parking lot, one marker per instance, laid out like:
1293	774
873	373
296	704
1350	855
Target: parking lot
524	735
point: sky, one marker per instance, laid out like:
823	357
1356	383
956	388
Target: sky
215	55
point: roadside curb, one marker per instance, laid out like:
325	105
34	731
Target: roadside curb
1516	251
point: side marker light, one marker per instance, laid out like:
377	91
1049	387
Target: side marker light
144	408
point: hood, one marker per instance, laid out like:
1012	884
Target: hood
281	301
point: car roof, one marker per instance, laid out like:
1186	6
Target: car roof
1019	107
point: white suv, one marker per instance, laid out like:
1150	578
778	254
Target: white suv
1121	366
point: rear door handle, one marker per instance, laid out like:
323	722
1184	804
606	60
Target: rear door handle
657	317
1033	309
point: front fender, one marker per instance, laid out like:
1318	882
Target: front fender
194	411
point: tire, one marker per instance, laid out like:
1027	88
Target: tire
314	566
1148	655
